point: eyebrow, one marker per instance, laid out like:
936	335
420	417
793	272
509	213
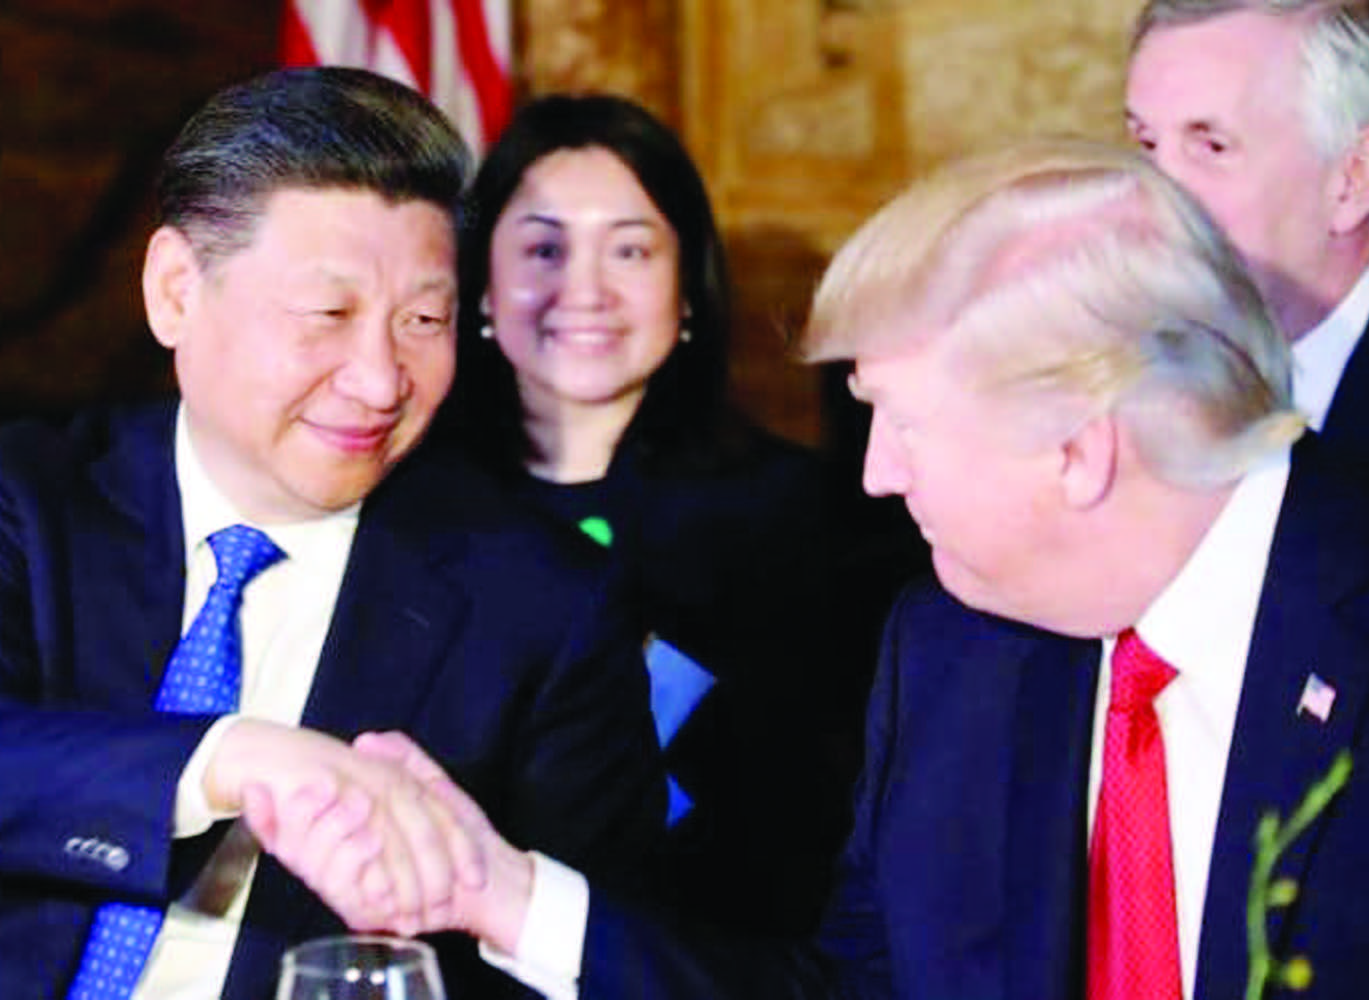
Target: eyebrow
550	220
443	284
1203	125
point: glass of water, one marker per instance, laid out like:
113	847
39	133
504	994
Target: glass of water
360	967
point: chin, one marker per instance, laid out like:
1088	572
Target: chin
967	587
327	495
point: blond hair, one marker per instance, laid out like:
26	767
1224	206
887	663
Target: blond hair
1072	279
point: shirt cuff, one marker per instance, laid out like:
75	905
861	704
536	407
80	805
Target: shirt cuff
547	958
193	814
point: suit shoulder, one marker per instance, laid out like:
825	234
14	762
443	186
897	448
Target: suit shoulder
55	450
928	626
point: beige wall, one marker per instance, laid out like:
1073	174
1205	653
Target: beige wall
804	115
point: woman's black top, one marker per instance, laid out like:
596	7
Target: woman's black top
748	607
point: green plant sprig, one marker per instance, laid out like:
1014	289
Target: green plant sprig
1272	839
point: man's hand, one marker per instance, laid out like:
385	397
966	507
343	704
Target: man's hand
329	839
376	838
490	897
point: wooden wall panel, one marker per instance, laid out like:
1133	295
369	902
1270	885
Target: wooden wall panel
90	94
809	114
612	45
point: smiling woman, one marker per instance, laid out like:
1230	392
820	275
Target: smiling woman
593	331
584	302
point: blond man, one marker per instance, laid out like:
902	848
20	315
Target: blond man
1087	409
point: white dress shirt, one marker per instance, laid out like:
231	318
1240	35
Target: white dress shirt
1201	624
285	615
1319	356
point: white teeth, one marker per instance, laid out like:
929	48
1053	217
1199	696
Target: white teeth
586	338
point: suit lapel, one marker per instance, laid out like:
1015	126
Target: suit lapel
1316	587
402	599
128	564
1046	856
1347	419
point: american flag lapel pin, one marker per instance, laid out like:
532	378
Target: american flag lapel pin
1317	698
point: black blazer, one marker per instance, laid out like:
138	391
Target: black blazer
965	875
734	563
456	622
1347	419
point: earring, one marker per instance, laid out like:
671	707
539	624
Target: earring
486	320
686	335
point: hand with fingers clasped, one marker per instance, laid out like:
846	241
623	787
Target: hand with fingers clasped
378	837
330	842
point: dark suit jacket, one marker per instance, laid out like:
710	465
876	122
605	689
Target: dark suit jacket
1347	419
965	875
456	622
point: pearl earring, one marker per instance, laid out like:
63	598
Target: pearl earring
486	320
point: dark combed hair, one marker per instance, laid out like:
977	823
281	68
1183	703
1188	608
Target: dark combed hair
685	418
316	127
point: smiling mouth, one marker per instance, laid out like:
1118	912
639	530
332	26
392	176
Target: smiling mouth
597	337
355	440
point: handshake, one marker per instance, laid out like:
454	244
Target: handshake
375	828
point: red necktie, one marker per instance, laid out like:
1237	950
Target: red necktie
1133	938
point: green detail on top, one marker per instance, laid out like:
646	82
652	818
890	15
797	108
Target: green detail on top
598	529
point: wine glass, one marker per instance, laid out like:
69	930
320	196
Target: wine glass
360	967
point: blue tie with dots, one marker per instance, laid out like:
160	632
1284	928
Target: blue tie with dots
202	677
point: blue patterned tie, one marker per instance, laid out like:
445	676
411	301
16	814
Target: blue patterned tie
202	677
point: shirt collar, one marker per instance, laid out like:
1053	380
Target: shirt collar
1206	615
1320	355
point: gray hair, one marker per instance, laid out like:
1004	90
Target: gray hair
1335	56
1070	279
317	127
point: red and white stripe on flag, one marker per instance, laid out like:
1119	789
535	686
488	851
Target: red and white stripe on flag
457	52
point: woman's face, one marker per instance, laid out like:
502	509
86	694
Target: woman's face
584	283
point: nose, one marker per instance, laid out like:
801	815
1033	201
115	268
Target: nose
583	282
886	470
1165	155
373	371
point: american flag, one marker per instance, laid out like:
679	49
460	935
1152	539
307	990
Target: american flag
457	52
1317	698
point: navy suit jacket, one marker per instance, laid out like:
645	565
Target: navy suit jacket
965	874
483	638
1347	419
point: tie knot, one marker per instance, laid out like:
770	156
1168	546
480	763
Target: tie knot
241	553
1138	673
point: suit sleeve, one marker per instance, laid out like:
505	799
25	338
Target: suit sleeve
590	788
630	953
87	793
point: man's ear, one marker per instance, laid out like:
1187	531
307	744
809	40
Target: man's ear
1088	466
1351	188
171	275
